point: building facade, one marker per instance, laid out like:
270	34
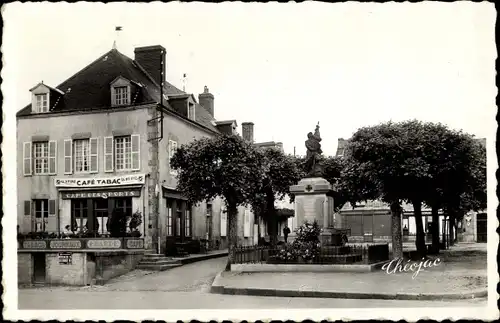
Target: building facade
99	144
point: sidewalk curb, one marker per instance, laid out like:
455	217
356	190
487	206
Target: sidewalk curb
190	260
219	288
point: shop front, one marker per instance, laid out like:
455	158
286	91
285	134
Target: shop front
88	205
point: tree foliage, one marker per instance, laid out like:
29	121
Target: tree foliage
224	166
280	172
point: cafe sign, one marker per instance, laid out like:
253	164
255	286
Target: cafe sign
101	194
131	179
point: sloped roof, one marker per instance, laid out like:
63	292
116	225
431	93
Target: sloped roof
89	89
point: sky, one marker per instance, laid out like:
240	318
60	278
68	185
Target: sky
284	67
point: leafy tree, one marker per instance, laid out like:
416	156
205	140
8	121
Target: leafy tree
226	166
280	172
390	161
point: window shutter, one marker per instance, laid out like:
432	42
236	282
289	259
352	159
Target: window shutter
52	207
136	155
68	156
52	157
27	208
27	163
108	154
94	163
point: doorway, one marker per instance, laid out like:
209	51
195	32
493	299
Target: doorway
482	227
39	267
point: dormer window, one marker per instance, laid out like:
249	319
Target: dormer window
120	92
41	103
121	95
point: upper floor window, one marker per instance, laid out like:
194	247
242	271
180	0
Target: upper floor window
81	155
122	153
121	95
123	150
172	148
82	149
120	89
41	157
41	101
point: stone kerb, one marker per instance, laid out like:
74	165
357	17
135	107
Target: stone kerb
309	268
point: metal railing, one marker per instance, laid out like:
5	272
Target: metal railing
285	254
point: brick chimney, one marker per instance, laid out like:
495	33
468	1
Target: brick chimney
247	131
151	58
206	99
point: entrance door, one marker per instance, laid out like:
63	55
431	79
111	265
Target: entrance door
368	227
39	267
482	227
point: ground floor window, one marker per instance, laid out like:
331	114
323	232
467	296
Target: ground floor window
187	224
100	212
41	208
169	219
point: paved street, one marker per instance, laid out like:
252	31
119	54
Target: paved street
186	287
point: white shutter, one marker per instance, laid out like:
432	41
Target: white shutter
136	152
52	157
94	154
68	156
27	160
108	154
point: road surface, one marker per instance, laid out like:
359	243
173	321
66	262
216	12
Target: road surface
187	287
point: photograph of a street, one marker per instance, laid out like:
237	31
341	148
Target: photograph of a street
335	157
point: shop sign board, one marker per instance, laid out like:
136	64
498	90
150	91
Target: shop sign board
130	179
101	194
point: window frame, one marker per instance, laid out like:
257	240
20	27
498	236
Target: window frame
45	169
121	95
171	152
41	108
87	156
125	153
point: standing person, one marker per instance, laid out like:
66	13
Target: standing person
286	232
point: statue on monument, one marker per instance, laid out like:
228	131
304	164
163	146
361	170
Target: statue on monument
313	156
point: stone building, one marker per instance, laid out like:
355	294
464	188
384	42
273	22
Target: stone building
101	141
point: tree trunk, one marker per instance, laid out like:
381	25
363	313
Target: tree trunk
420	242
451	226
435	229
232	218
397	241
272	220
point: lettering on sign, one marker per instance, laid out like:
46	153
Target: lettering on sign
34	244
104	244
133	179
65	244
102	194
65	258
135	244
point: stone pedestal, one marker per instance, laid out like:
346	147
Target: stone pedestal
313	203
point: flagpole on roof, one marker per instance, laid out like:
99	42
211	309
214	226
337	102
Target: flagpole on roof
117	31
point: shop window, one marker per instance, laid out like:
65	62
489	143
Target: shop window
79	215
124	205
101	215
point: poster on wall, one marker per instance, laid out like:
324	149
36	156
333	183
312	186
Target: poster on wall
65	258
223	221
246	224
